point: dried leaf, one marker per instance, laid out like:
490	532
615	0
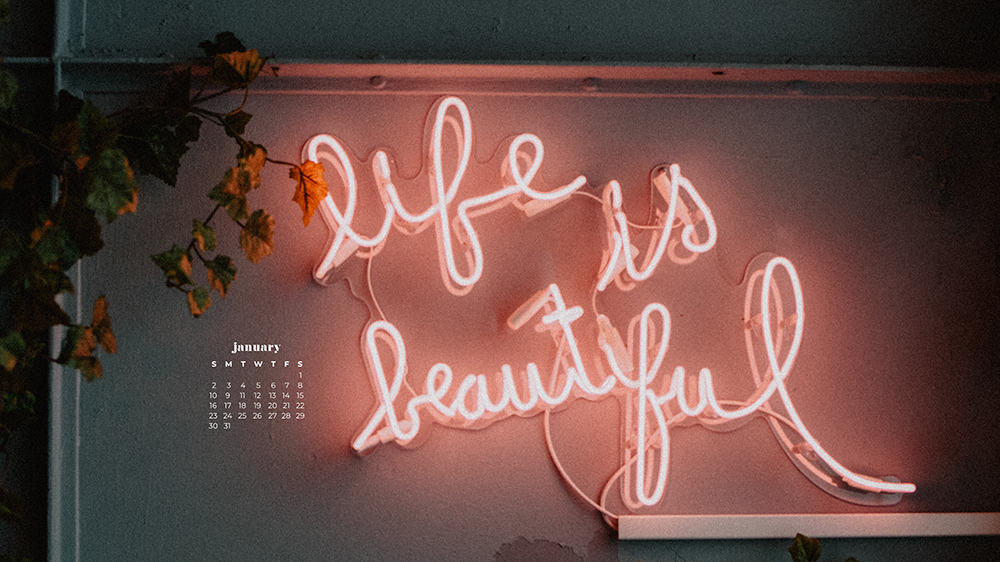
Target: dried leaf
79	342
238	68
221	272
101	325
204	236
257	237
198	301
310	188
110	185
176	265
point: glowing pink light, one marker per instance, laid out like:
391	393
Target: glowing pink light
472	403
346	241
654	404
620	236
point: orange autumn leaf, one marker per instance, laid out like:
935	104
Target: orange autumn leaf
101	326
310	188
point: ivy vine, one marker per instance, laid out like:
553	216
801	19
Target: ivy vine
66	175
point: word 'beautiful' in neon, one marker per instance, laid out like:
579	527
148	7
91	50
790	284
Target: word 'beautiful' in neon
630	371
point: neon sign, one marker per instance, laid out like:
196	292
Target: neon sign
656	397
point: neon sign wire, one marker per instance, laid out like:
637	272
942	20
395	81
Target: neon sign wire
656	398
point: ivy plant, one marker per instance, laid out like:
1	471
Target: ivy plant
67	175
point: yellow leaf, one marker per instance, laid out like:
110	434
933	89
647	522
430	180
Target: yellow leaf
310	188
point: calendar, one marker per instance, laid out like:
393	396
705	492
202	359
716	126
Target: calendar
256	387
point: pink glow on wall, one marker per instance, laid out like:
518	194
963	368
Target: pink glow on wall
630	368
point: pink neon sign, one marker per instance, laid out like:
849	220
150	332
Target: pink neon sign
634	369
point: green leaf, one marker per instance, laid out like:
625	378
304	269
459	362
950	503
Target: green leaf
204	236
56	247
97	133
198	301
4	11
80	343
188	129
110	184
257	237
804	549
236	123
176	265
225	42
20	403
235	205
155	150
8	85
221	272
239	180
82	225
12	348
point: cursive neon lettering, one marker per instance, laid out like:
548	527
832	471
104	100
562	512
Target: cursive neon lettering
629	369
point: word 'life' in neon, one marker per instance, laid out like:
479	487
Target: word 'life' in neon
633	371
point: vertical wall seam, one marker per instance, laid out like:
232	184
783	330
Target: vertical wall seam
64	438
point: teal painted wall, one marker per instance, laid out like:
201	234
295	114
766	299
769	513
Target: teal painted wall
152	486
